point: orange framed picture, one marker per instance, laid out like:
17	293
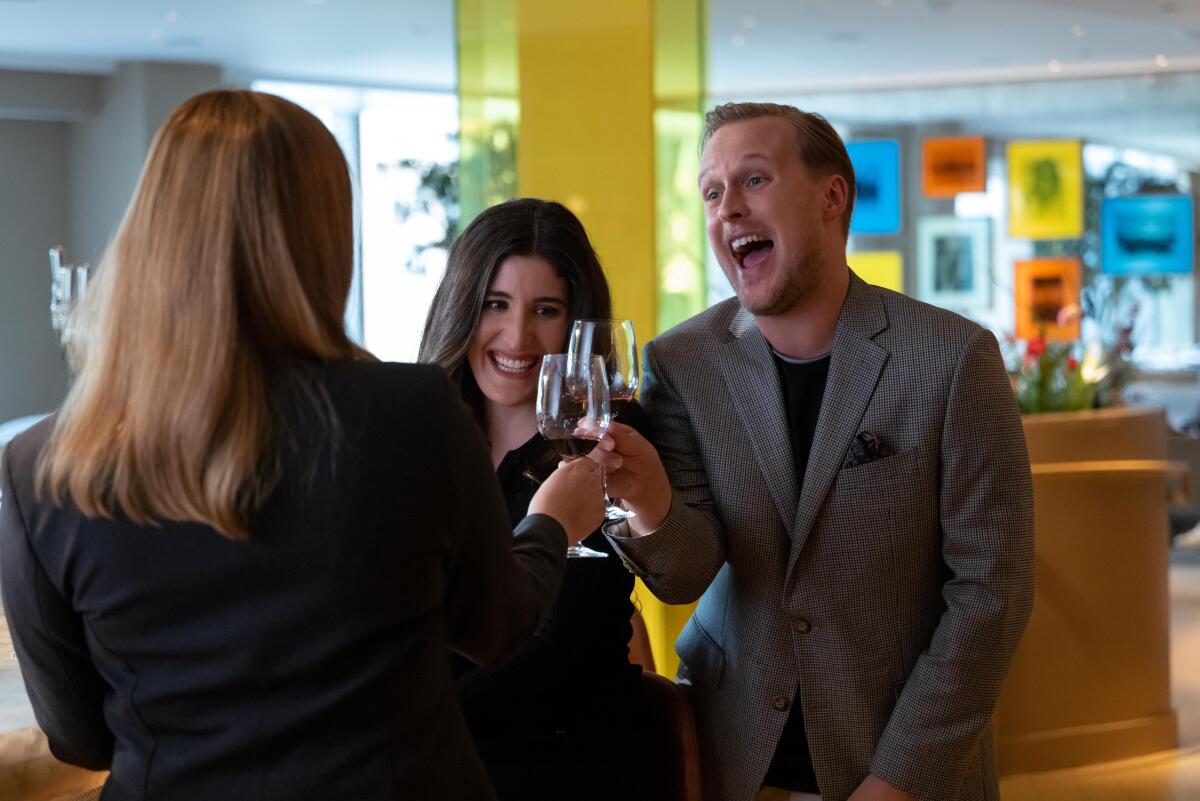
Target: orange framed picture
953	164
1047	295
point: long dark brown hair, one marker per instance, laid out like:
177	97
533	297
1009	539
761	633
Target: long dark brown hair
521	227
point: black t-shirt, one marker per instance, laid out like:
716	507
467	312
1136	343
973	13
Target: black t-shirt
803	384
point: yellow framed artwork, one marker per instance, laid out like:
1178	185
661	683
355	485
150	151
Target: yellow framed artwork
1045	189
883	268
953	164
1044	289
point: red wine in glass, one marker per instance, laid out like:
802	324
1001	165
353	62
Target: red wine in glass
572	409
572	447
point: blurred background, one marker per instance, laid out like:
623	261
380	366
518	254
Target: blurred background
1031	164
409	87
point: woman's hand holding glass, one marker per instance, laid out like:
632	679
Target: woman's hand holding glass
574	496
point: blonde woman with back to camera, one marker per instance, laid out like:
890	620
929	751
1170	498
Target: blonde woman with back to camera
235	560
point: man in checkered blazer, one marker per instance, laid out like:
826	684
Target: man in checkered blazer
846	490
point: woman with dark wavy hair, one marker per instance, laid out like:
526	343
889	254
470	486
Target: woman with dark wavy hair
545	722
236	559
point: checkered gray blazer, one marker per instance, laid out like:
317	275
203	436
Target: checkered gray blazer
886	597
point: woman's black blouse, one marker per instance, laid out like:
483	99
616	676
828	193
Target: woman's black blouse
554	715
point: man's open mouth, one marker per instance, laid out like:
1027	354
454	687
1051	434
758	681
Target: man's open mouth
751	251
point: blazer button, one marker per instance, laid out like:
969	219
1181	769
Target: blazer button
781	702
801	625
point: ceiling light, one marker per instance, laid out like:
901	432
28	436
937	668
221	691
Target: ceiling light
1078	31
1054	65
1161	61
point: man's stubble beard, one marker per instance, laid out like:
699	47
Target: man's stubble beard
793	284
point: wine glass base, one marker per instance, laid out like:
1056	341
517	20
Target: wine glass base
584	552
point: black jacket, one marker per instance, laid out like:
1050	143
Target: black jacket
310	661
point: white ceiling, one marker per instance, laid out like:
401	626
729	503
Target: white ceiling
858	60
407	43
780	46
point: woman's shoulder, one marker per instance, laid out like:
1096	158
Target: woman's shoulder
22	452
389	382
386	373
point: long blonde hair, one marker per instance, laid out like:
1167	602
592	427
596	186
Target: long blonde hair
234	259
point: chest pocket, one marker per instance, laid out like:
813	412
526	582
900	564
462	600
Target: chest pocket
891	472
895	494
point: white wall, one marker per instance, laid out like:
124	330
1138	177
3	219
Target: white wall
71	151
33	218
107	150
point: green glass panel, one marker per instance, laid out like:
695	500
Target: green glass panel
488	107
680	101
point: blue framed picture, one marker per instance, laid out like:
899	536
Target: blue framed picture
877	175
1147	234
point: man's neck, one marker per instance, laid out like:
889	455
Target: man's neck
806	330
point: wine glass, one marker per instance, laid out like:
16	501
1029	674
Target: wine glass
612	341
573	413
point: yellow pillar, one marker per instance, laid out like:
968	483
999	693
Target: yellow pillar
587	132
595	91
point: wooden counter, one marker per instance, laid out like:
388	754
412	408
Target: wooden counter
1090	681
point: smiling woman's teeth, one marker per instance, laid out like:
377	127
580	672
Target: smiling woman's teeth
512	365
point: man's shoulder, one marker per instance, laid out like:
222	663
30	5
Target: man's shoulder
401	384
699	330
923	325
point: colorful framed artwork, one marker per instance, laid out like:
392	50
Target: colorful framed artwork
1045	189
877	186
953	164
1147	235
953	263
1044	287
883	268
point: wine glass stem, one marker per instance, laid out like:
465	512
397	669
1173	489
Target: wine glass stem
604	482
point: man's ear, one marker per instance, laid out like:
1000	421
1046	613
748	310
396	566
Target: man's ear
837	194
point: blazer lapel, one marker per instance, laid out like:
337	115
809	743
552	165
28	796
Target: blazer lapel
854	369
753	382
